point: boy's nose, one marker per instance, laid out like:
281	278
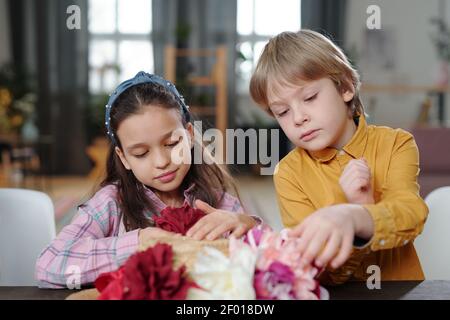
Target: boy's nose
299	117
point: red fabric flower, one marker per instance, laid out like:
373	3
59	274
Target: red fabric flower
178	220
110	285
146	275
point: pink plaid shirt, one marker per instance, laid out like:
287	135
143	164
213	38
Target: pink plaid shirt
96	241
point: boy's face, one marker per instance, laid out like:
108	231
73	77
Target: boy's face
313	115
156	147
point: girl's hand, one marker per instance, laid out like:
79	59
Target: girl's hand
154	233
326	236
355	182
217	222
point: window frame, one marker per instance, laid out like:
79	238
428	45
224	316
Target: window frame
117	37
253	38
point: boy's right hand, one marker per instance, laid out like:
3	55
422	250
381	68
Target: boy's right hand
326	236
355	182
154	233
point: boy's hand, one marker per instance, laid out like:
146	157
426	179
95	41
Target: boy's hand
154	233
355	182
326	236
217	222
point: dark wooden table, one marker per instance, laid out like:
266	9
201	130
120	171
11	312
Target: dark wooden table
392	290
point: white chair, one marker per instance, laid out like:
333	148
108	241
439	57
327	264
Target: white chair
27	225
432	244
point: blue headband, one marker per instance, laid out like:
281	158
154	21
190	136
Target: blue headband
139	78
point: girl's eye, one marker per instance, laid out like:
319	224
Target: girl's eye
173	144
141	155
311	98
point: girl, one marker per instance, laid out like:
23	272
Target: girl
148	168
348	190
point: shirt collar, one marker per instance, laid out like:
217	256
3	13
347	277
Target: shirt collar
161	205
189	190
355	147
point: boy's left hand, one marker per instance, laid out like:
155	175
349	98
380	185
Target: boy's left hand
355	182
217	222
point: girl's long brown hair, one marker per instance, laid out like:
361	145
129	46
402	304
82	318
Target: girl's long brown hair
211	180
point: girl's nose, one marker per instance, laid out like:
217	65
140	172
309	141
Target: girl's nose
161	159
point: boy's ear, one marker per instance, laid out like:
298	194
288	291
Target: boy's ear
348	95
122	158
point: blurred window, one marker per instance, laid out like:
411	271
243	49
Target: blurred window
120	41
257	22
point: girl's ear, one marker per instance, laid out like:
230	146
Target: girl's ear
122	158
190	130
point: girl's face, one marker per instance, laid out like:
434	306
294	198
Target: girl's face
156	147
313	115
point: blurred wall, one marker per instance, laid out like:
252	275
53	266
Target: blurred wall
407	22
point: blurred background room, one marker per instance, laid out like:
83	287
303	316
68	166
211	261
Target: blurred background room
59	60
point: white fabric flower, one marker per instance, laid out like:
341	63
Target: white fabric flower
223	278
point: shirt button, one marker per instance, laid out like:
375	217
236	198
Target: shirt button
348	272
341	152
382	242
405	242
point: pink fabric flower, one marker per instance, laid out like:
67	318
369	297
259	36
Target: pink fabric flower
277	283
279	272
254	234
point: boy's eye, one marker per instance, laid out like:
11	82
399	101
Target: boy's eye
311	98
282	113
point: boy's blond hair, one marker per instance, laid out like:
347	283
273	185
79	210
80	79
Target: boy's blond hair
306	55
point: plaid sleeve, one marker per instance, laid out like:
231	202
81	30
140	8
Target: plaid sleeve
85	248
231	203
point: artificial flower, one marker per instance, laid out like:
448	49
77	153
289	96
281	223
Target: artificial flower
178	220
276	283
146	275
224	278
110	285
279	272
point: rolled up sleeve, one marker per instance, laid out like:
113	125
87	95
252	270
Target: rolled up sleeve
400	215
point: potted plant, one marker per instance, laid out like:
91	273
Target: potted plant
17	104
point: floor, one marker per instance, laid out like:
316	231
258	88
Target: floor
257	193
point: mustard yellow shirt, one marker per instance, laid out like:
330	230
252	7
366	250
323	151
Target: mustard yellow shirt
306	181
